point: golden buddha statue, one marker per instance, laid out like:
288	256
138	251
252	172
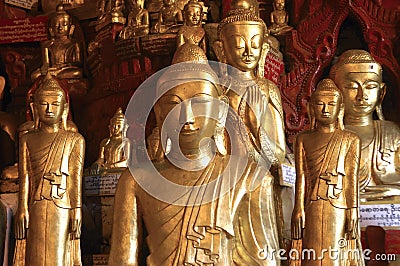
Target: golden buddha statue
279	19
192	30
115	150
191	199
325	215
359	77
50	174
255	103
62	55
111	11
168	18
138	21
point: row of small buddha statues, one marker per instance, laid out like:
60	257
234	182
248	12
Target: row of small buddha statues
215	205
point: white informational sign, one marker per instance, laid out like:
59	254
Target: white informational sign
386	215
288	175
105	184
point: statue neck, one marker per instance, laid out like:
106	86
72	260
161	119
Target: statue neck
243	75
192	159
358	120
326	128
49	128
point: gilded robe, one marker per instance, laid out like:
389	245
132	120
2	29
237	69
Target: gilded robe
201	231
380	159
52	189
330	189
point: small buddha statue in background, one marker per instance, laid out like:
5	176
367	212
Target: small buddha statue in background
50	174
111	11
279	19
193	218
359	76
115	150
168	18
192	30
62	55
138	21
327	194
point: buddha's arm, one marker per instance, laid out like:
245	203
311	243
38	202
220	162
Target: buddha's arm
22	216
76	56
76	163
125	156
298	216
280	141
126	224
146	18
353	162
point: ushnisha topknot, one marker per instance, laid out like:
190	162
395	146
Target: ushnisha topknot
60	12
324	87
49	86
240	14
189	64
119	116
355	59
192	3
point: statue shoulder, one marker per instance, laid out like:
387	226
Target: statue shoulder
389	126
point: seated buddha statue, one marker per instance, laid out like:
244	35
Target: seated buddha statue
115	150
138	21
168	18
279	19
188	201
192	30
359	76
62	55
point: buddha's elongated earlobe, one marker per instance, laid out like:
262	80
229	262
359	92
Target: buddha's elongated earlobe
378	107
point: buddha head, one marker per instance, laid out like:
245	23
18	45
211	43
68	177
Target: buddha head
61	24
326	105
279	5
118	124
359	76
193	13
190	104
49	104
169	2
241	37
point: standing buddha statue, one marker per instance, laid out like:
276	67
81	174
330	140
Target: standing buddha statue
325	214
359	77
50	174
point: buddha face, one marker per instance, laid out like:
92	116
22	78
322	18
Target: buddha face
193	16
191	109
60	26
242	44
280	4
326	107
116	127
50	108
361	92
